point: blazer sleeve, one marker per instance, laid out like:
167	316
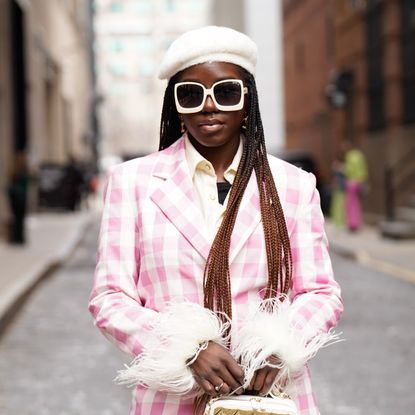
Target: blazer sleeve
316	302
114	301
163	342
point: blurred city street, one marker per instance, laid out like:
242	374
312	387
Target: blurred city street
80	92
51	354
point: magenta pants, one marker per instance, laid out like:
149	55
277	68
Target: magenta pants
353	205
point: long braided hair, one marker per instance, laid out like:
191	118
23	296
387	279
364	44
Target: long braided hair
217	280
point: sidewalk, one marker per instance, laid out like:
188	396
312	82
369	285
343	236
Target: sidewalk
51	238
369	248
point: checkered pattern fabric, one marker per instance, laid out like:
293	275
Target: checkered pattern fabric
153	247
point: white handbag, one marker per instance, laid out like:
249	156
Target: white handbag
251	405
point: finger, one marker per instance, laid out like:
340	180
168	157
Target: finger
224	390
232	383
260	379
207	387
220	385
235	370
251	385
229	371
239	390
268	382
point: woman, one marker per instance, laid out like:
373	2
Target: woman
356	176
337	206
196	237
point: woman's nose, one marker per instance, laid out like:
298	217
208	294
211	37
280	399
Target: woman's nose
209	105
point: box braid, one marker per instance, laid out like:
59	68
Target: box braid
170	121
217	283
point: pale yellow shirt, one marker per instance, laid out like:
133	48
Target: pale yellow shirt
204	180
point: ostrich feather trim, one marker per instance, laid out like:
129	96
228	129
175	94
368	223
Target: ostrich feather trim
180	332
268	331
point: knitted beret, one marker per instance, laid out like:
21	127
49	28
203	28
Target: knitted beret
209	44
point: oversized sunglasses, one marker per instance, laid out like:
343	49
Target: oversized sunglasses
227	95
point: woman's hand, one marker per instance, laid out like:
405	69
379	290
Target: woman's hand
216	368
264	378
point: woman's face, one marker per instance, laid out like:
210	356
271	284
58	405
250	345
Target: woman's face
211	127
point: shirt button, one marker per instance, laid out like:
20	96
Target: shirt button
212	197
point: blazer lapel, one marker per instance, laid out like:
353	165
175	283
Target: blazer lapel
175	197
249	215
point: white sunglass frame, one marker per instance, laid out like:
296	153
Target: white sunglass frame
209	91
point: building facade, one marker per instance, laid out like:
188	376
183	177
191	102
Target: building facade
131	39
309	58
366	50
46	92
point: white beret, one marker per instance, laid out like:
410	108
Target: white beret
209	44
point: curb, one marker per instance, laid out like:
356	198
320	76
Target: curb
16	297
365	259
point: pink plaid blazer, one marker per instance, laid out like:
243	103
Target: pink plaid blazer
153	248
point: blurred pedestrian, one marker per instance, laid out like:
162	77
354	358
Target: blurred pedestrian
337	204
72	186
17	195
211	233
356	181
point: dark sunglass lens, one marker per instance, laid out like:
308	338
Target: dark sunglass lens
228	93
189	96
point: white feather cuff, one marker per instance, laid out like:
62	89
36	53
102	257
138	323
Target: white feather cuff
181	331
267	331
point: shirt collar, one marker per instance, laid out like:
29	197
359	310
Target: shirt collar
196	161
193	157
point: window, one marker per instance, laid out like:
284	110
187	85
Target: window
117	45
146	69
118	69
144	44
141	7
116	7
170	6
197	6
375	76
408	60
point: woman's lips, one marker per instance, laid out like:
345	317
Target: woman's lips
211	126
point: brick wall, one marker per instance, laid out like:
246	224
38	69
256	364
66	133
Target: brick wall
313	125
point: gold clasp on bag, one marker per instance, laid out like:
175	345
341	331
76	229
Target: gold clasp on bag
256	404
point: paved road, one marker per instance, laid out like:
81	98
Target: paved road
52	361
373	371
